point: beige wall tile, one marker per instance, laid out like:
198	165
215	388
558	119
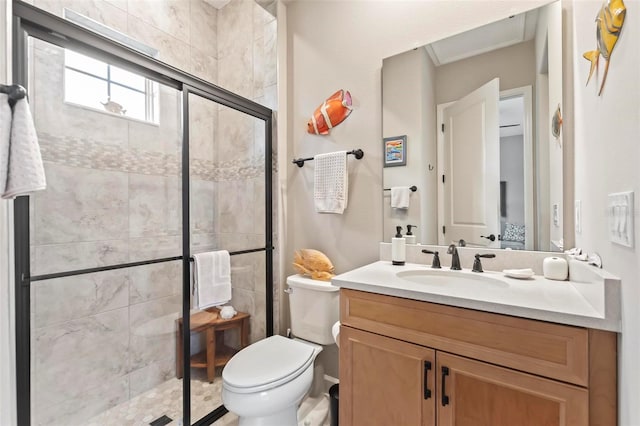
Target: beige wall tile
154	206
169	16
93	348
204	28
172	50
81	205
81	296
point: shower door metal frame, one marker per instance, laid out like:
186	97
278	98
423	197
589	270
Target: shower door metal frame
31	21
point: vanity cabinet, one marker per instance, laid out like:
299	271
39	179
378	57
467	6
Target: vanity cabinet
407	362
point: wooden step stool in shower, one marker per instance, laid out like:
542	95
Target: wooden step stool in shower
216	353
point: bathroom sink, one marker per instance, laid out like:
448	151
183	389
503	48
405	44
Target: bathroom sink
458	279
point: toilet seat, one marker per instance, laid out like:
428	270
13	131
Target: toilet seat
266	364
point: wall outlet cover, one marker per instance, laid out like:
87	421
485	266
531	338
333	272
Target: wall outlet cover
556	215
620	210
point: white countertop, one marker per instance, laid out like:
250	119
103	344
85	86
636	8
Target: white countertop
566	302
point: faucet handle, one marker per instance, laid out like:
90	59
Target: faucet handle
477	265
435	264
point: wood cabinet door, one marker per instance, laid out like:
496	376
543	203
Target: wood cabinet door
385	381
474	393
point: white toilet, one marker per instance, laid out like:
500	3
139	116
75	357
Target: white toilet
264	383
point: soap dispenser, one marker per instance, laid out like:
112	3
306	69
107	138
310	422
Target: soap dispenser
409	237
398	248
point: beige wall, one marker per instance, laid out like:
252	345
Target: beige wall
607	155
514	65
550	148
332	45
408	108
321	60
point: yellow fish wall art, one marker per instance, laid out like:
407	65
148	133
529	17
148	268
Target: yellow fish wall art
608	26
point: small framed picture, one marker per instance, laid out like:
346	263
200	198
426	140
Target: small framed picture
395	151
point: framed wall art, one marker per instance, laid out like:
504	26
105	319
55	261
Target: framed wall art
395	151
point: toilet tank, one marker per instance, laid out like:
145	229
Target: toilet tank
314	307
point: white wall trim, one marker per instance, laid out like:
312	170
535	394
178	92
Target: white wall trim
529	187
440	166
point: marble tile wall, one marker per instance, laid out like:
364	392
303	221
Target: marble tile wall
114	196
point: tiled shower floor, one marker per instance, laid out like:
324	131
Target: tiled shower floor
166	399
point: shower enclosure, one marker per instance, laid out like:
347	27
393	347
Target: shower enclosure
146	165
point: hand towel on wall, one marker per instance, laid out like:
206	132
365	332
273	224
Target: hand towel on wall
331	182
400	196
24	171
212	278
5	139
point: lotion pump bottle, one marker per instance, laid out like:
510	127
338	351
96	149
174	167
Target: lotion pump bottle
398	248
409	237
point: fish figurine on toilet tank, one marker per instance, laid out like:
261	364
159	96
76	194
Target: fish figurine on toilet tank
332	112
313	263
608	26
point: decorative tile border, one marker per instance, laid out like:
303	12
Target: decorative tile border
92	155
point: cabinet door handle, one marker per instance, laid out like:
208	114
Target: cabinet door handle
445	398
427	391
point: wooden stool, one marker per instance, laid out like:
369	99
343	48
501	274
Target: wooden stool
216	353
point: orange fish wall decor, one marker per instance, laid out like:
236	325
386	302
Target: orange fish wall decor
608	26
332	112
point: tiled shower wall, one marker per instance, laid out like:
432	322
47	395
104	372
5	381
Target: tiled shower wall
114	197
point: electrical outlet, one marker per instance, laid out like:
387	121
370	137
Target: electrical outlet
578	216
620	210
556	215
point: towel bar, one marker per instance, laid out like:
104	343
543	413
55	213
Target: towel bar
15	92
412	188
358	153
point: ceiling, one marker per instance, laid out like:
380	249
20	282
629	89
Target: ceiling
497	35
513	30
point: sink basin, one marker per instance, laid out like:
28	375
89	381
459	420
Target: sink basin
458	279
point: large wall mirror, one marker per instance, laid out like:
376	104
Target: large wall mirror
476	109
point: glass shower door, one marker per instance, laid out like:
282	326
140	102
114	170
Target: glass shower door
105	243
227	212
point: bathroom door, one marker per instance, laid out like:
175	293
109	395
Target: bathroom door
471	167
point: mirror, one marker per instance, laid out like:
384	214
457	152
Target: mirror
476	109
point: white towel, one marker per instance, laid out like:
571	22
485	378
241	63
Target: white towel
400	196
5	138
212	278
331	182
24	172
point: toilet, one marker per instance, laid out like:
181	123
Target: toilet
265	382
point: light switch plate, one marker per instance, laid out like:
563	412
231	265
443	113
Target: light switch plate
620	209
556	215
578	216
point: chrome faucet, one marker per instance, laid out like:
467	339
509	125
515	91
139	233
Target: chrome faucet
455	260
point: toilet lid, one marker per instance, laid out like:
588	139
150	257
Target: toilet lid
270	361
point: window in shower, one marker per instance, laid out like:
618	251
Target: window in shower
92	83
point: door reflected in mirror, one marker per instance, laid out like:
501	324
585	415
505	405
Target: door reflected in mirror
476	108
